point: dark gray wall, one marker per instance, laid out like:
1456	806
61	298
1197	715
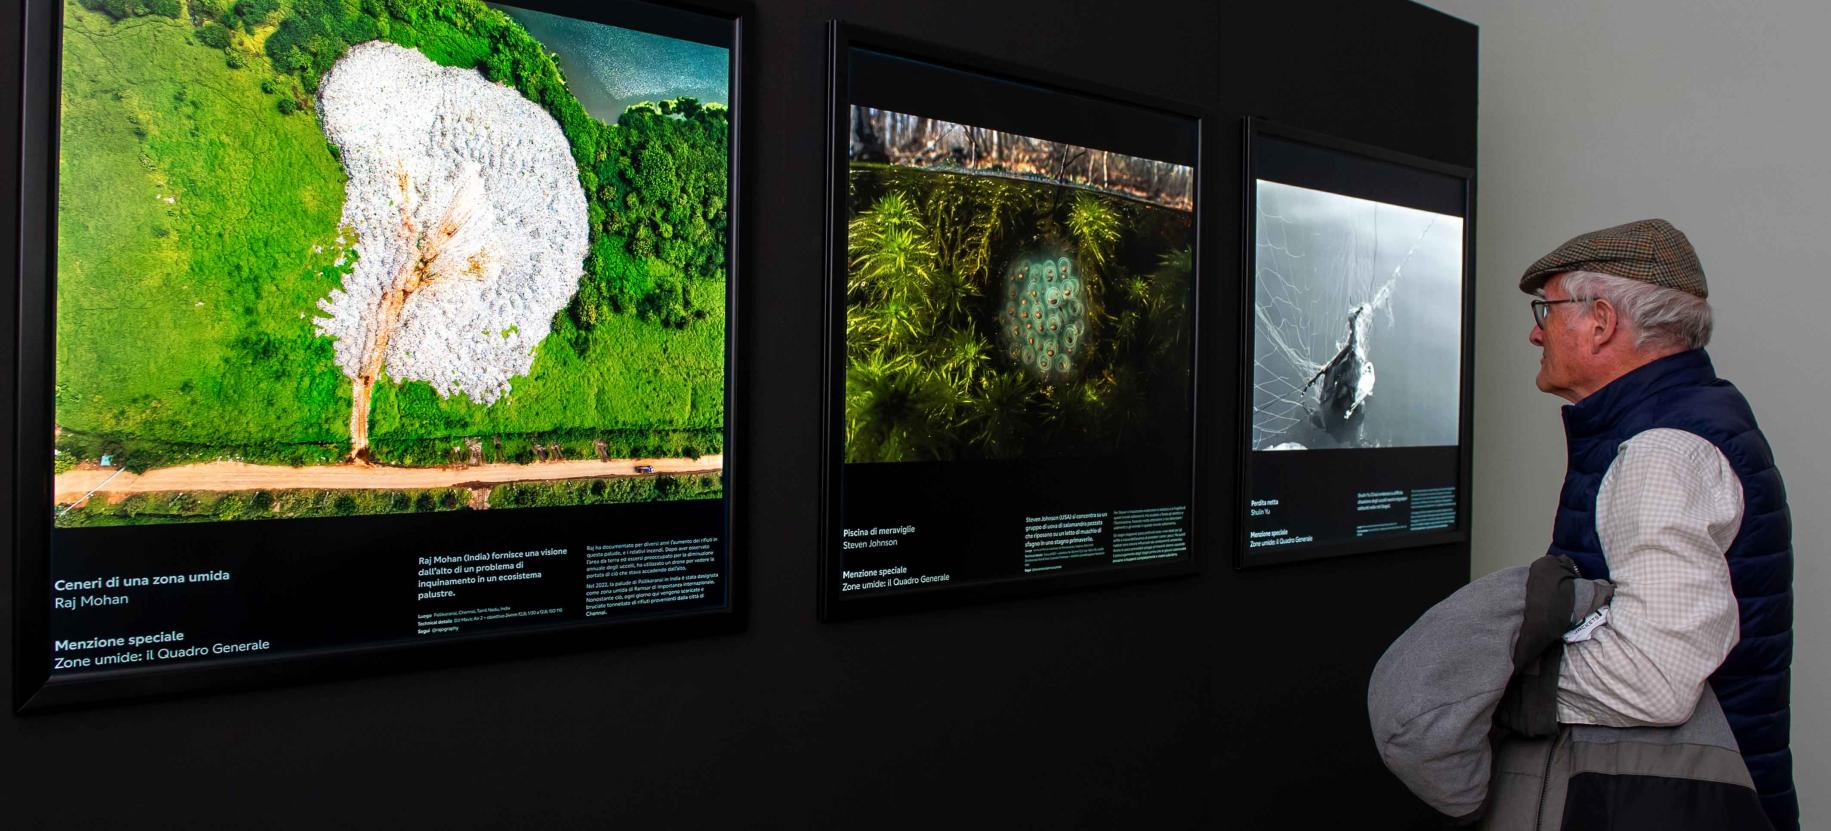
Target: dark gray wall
1228	699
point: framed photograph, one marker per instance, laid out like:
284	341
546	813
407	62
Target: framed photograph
1012	277
1358	298
360	335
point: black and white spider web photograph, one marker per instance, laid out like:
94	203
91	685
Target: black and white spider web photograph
1357	318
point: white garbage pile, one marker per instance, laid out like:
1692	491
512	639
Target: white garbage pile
435	139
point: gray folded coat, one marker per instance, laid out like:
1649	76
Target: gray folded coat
1478	674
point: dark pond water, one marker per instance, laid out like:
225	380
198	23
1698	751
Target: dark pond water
610	68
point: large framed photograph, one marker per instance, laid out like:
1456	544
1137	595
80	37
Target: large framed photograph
357	334
1012	276
1356	419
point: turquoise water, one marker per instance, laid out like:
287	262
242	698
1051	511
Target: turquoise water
610	68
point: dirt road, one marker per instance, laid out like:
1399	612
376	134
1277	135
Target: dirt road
236	476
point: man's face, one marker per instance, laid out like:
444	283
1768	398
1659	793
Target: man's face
1561	364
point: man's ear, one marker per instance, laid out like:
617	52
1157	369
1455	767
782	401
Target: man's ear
1605	324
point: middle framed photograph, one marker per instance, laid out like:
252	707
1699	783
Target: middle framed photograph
1012	272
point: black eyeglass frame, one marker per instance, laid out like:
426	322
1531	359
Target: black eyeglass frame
1541	308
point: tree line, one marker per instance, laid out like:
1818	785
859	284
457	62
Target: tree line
915	141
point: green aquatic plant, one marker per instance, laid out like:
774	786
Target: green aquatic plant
1000	415
1178	264
864	331
1079	411
961	357
949	297
1126	404
934	368
1002	206
896	414
891	254
947	211
900	326
1168	305
1095	227
892	210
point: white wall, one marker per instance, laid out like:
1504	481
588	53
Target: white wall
1717	116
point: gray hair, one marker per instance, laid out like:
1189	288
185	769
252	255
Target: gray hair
1660	317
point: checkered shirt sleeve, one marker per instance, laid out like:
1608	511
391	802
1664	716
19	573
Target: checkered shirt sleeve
1668	509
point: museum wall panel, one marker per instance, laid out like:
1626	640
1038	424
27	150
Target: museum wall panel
1223	698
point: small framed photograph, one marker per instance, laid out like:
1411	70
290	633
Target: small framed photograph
1355	421
1012	277
361	336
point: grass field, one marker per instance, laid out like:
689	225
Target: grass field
632	373
198	228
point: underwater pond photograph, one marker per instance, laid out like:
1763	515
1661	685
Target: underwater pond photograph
1011	297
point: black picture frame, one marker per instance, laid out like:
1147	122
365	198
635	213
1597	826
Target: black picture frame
1375	169
26	368
843	38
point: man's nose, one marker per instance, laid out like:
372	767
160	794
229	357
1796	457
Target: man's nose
1537	335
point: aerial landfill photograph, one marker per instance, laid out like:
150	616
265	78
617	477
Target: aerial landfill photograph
329	257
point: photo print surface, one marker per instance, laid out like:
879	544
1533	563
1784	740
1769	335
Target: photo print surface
1358	314
329	260
1009	297
1354	432
389	272
1014	379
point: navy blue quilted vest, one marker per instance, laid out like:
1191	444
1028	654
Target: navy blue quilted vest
1683	392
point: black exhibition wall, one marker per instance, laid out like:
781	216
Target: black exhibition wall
1226	699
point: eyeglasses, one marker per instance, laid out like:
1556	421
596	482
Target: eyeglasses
1541	309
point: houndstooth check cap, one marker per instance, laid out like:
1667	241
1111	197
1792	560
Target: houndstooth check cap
1650	250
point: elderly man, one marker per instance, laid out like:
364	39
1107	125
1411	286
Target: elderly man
1671	493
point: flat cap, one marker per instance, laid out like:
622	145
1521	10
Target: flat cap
1650	250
